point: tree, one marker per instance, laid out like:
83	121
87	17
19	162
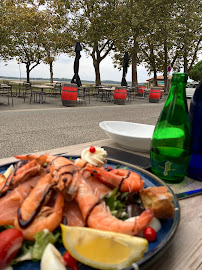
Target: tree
134	24
149	48
189	31
5	40
93	26
196	72
25	26
36	31
57	38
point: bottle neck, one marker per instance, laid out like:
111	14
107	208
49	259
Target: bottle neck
178	90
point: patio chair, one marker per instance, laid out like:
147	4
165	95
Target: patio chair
131	93
6	90
83	94
26	91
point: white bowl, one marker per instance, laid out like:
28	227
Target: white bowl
129	135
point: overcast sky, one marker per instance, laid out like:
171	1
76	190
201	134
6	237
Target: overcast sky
63	68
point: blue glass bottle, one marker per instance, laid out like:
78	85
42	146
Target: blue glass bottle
195	113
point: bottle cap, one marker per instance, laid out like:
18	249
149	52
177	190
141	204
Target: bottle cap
179	77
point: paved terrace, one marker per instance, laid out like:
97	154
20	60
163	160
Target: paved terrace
35	127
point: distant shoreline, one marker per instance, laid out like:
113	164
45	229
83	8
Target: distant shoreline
62	80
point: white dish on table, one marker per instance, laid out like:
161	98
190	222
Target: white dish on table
129	135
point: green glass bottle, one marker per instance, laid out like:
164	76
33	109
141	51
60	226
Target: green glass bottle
171	141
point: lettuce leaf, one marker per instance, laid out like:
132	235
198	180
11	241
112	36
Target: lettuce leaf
33	250
116	203
42	239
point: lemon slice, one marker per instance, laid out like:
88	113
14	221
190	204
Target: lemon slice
103	249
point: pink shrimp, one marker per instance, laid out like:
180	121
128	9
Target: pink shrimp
20	175
48	218
63	170
81	163
10	203
127	181
41	159
97	215
33	202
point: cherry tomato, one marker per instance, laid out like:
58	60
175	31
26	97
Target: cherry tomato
10	243
70	261
109	168
92	149
150	234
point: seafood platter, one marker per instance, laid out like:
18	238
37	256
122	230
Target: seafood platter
83	212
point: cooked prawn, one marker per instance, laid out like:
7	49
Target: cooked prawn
81	163
63	170
41	159
98	216
48	218
20	174
10	203
127	181
33	202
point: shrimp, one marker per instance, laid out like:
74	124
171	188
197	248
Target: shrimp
48	218
81	163
98	216
63	170
21	173
33	202
10	203
126	181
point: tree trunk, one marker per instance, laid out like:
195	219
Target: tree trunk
185	61
155	78
51	71
28	71
134	65
96	65
153	64
165	72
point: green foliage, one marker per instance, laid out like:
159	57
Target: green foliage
35	32
196	72
156	33
93	24
116	203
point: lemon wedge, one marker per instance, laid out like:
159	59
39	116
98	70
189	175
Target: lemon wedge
103	249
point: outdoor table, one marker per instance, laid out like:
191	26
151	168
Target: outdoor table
106	93
185	249
42	87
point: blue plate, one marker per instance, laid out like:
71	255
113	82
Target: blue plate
164	236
